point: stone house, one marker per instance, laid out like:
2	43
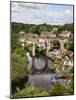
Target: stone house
48	34
65	34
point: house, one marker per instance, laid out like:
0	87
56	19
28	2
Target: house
54	29
21	32
41	41
65	34
48	34
67	62
56	53
22	40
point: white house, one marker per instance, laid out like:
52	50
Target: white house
41	41
21	32
67	62
65	34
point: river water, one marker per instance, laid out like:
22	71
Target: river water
39	62
45	80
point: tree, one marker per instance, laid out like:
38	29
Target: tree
19	67
69	45
14	42
37	30
30	91
56	43
68	27
57	90
32	29
57	64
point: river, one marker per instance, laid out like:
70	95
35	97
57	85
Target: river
45	80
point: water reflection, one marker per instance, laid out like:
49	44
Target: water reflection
42	80
40	63
45	80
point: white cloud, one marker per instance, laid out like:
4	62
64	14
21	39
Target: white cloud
40	13
31	5
69	12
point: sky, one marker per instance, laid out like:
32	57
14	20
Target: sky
35	13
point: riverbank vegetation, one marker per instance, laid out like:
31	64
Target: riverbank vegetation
32	28
32	91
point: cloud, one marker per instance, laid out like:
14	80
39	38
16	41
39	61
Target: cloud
31	5
68	12
33	13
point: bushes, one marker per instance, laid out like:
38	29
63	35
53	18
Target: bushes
18	67
30	91
40	52
33	91
55	43
28	48
70	87
57	64
69	45
58	90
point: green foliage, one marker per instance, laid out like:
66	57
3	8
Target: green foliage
17	27
57	64
18	66
32	91
28	48
14	42
70	87
35	30
21	52
70	82
68	27
29	91
57	90
39	51
56	43
69	45
67	53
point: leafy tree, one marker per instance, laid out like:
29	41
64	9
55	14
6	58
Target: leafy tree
68	27
17	27
69	45
29	91
56	43
32	29
70	87
14	42
57	64
21	52
19	67
58	90
28	48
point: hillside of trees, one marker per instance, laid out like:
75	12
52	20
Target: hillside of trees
32	28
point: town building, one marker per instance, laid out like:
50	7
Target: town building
67	62
65	34
47	34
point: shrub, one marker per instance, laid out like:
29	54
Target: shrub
18	67
57	90
29	91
